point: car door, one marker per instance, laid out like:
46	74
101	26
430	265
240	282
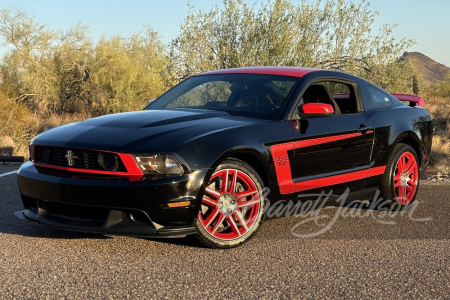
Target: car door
331	152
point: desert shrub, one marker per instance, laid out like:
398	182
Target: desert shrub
7	146
440	153
18	124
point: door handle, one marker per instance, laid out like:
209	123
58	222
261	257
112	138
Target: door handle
363	128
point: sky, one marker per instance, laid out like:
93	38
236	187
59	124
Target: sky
425	22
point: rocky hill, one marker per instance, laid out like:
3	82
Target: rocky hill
430	71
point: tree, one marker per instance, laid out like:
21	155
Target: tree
415	86
27	65
63	72
127	72
335	35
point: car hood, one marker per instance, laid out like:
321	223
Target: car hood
142	131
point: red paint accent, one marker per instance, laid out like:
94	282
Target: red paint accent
410	98
212	197
294	124
283	168
317	108
133	173
323	140
406	166
285	71
337	179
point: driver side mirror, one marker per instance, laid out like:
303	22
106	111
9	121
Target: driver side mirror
314	110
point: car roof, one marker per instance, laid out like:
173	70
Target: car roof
284	71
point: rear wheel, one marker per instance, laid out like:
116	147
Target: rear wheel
401	179
232	210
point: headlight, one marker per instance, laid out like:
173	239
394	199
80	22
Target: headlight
159	164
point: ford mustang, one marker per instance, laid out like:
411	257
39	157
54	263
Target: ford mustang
196	160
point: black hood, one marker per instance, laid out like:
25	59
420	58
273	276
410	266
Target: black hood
141	131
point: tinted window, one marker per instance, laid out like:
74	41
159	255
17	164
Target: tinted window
339	95
255	95
379	98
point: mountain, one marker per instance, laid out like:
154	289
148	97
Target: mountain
430	71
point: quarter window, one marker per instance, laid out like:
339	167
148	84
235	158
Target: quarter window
379	98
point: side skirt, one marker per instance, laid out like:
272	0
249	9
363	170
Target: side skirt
360	195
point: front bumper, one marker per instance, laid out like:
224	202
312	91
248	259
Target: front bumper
132	208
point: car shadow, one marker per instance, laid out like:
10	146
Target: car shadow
188	241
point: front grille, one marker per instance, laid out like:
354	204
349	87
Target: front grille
70	174
73	158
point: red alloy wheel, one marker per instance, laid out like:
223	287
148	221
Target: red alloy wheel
406	177
230	205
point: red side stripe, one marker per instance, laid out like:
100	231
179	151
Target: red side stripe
328	139
283	168
338	179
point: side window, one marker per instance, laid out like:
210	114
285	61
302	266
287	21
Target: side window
339	95
379	98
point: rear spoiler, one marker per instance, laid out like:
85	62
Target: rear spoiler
413	100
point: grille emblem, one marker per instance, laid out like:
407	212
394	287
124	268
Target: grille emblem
70	157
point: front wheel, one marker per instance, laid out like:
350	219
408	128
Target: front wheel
232	207
401	179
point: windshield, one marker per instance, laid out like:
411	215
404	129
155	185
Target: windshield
253	95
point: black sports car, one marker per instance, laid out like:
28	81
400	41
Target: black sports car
196	160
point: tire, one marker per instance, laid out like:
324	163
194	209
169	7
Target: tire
400	181
231	216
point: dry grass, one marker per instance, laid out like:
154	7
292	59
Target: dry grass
20	125
440	150
42	125
439	108
7	146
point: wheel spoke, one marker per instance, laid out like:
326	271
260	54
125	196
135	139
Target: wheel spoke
401	194
410	189
224	186
247	203
400	165
245	194
211	217
404	195
397	181
409	168
403	162
212	192
233	225
241	220
233	180
219	221
412	182
209	201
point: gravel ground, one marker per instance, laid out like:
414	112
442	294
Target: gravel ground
356	258
437	178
